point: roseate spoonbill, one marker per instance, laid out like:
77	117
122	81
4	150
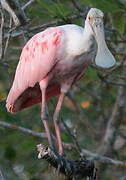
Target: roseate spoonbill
53	60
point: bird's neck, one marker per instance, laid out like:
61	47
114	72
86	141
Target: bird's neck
88	32
87	38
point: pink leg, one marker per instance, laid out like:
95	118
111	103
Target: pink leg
56	122
44	117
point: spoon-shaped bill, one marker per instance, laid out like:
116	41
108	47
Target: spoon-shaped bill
104	57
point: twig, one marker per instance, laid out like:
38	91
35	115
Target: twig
72	135
114	122
22	129
4	64
27	4
1	175
72	169
43	26
122	134
105	80
103	159
8	8
15	11
1	33
94	156
119	65
77	6
8	38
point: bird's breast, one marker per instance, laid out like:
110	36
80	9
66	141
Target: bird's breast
74	42
71	66
74	55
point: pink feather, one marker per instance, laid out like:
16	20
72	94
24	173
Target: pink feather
36	61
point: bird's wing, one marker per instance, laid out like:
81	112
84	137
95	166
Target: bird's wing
32	96
37	59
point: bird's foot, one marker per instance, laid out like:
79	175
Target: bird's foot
61	149
10	108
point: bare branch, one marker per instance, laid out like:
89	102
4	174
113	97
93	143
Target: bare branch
7	7
73	136
1	33
84	152
72	169
107	81
15	11
22	129
77	6
103	159
1	175
122	134
39	28
27	4
8	38
114	122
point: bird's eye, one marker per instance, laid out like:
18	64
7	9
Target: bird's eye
89	18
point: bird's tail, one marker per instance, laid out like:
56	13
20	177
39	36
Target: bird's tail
32	96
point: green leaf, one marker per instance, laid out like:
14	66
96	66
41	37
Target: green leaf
104	5
10	153
119	22
59	9
91	73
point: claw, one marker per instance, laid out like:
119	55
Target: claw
54	171
11	108
58	170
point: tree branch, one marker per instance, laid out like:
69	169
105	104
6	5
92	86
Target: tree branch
7	7
114	122
84	152
22	129
1	34
43	26
107	81
1	175
8	38
103	159
76	169
77	6
15	11
27	4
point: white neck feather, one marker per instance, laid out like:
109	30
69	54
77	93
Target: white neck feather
87	30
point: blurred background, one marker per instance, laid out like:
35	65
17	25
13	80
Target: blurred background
93	116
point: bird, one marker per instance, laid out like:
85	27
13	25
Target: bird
52	61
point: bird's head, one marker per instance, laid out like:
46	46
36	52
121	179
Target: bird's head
104	57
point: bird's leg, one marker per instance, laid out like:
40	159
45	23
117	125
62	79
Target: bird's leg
44	117
56	122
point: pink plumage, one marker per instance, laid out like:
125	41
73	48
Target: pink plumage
52	61
36	61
